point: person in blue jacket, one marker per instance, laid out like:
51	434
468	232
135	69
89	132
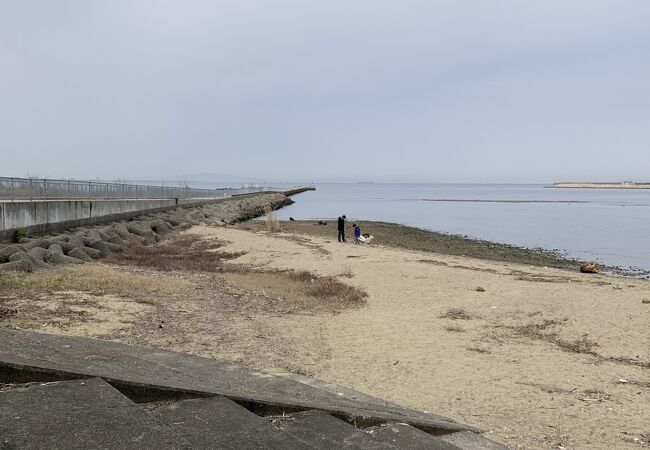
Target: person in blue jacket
357	233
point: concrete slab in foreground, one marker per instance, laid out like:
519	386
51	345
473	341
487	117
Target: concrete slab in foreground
223	391
138	367
72	414
218	422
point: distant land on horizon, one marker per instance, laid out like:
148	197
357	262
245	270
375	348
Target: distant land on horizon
601	185
210	180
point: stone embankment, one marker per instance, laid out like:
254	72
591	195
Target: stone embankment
83	244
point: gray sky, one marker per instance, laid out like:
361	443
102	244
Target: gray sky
457	90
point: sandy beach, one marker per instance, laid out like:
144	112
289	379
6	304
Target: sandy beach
489	365
539	357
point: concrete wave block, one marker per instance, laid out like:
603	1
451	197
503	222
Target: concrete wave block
92	252
17	266
104	235
56	248
160	226
172	220
122	231
6	252
105	248
76	240
37	253
80	255
91	235
35	263
27	246
137	228
57	258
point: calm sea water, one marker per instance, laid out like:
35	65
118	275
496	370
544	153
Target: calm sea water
610	226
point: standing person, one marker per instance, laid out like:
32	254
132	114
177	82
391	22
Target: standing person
357	233
341	224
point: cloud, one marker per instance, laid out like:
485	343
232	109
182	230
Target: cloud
440	90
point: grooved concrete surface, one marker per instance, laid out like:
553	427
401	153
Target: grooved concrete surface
186	373
62	392
78	414
221	423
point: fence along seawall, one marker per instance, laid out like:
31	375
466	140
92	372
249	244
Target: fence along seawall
21	189
44	206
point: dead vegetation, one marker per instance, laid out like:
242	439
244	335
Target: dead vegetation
457	314
7	312
542	279
300	289
478	350
346	272
167	295
93	279
433	262
537	331
272	222
583	345
180	253
548	388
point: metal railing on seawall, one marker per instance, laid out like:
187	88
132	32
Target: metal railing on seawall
28	189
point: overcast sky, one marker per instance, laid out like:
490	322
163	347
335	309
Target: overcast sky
457	90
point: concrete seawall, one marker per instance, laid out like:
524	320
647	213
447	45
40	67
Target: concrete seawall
53	216
91	238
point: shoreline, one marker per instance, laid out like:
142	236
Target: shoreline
412	238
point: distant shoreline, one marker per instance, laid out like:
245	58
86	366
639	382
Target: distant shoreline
579	185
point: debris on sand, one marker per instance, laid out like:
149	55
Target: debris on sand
589	267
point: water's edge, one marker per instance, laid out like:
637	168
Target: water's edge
413	238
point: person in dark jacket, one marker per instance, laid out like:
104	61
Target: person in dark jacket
341	223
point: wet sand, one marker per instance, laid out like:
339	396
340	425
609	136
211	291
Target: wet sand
411	238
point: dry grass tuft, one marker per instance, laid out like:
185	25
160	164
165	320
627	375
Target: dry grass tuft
299	290
477	350
532	329
537	331
185	253
330	287
346	272
584	345
457	314
272	222
96	279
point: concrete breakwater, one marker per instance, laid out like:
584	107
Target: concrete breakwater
48	216
81	244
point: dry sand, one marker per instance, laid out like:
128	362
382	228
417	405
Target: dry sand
514	363
540	358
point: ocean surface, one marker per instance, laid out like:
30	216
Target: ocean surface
609	226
